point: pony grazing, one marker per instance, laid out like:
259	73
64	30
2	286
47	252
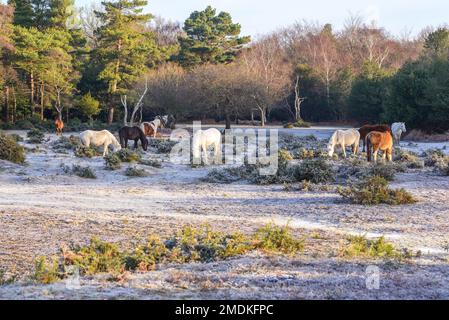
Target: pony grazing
369	128
344	138
202	140
59	126
397	129
132	133
98	138
379	141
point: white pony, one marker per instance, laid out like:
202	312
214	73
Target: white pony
201	141
397	129
344	138
158	122
99	138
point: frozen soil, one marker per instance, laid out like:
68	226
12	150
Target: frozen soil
43	209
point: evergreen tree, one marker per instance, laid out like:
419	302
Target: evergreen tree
23	12
210	38
124	45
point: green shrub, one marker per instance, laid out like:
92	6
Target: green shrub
151	163
113	161
360	246
298	124
314	170
127	155
188	245
162	146
86	152
410	159
83	172
373	191
136	172
386	171
442	168
97	257
64	143
35	136
46	272
10	150
434	157
272	238
16	137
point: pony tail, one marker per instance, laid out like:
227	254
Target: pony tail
368	146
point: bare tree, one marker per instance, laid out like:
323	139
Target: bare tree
137	106
270	71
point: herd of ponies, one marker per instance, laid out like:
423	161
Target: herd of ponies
374	138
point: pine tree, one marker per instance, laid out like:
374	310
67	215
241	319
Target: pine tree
23	12
124	45
210	38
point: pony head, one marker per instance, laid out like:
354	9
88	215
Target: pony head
144	144
116	145
403	127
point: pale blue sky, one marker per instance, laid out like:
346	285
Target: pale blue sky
262	16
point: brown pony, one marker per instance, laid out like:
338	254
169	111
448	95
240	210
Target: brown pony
379	141
369	128
59	126
147	129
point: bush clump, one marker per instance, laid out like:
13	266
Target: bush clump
315	171
188	245
375	190
151	163
127	155
113	161
298	124
360	246
46	272
410	159
86	152
80	171
35	136
136	172
162	146
64	143
10	150
434	157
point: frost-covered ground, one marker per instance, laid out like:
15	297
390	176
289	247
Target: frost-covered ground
42	209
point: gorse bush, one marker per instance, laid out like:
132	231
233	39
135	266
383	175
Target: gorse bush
64	143
35	136
410	159
46	272
298	124
86	152
188	245
360	246
16	137
127	155
10	150
272	238
113	161
151	163
375	190
314	170
136	172
162	146
80	171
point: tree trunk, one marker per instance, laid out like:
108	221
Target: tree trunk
14	110
32	93
262	116
42	100
252	117
110	115
6	106
228	120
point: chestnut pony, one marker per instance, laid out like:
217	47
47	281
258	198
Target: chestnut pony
59	126
368	128
376	141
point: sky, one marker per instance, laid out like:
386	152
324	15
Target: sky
262	16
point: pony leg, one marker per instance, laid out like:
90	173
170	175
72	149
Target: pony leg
344	150
105	150
375	155
136	142
204	147
390	155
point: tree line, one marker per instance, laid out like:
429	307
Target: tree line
98	62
